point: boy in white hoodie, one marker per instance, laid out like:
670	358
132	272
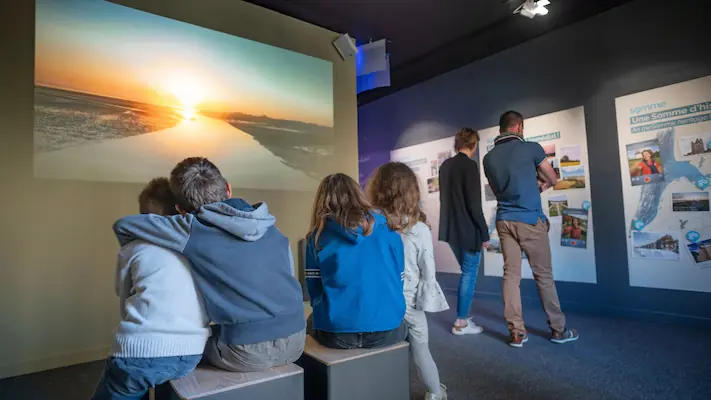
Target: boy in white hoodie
164	326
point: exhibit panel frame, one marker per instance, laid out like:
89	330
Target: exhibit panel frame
664	142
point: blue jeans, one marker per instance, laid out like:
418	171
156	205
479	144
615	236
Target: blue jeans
364	340
130	378
469	261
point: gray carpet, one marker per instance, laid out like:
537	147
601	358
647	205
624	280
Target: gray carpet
614	359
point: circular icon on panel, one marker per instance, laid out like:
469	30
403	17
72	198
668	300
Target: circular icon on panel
693	236
586	205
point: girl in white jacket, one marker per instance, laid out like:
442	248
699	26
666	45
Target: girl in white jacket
394	190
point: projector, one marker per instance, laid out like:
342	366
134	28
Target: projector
531	8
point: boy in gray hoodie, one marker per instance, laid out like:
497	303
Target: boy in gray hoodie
242	265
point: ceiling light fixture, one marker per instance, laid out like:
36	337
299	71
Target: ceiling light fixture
531	8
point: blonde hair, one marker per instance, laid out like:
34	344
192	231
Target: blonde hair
394	189
340	198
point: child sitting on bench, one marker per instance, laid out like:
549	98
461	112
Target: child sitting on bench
354	267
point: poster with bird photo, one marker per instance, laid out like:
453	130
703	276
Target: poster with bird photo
122	95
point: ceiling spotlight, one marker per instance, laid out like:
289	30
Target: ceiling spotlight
531	8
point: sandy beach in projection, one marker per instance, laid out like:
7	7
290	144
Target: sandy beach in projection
243	161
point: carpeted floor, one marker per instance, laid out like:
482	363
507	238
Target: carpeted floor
614	359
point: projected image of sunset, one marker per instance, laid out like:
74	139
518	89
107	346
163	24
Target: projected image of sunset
122	96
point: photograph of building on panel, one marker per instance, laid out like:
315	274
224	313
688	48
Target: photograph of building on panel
663	246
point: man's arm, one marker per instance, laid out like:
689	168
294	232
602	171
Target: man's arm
472	191
546	173
170	232
488	177
314	285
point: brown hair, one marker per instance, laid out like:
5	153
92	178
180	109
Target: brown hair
466	138
157	198
195	182
339	197
394	190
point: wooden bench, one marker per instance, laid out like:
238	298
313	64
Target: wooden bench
373	374
210	383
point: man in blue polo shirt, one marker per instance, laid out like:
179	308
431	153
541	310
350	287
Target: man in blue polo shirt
517	172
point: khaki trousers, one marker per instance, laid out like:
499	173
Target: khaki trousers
533	241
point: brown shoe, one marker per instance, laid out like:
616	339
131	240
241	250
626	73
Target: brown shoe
518	339
568	335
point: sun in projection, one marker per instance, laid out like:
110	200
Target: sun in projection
188	93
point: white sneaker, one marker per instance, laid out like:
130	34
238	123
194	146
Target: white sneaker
442	395
469	329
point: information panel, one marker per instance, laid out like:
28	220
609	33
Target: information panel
665	144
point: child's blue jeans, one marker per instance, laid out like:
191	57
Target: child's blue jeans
130	378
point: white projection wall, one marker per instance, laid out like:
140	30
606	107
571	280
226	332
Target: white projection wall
125	105
563	137
665	151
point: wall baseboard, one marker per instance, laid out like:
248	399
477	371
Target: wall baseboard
449	282
58	361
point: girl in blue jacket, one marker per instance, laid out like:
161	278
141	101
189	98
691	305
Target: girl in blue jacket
354	270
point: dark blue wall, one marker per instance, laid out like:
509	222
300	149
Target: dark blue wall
639	46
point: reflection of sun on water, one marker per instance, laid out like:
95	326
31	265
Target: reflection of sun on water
188	113
189	96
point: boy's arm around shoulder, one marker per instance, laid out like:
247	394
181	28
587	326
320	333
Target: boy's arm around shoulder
171	232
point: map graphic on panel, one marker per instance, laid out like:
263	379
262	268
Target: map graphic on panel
665	142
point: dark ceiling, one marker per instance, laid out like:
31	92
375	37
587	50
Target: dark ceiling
430	37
